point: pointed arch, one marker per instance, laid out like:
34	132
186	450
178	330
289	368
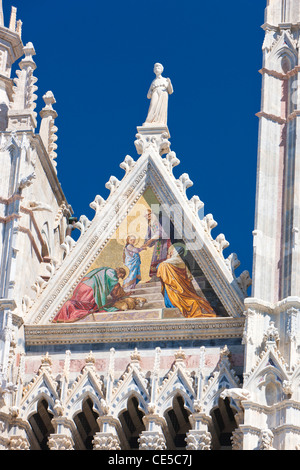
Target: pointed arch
283	56
223	424
177	382
267	378
40	420
42	387
120	400
177	419
85	421
131	420
87	387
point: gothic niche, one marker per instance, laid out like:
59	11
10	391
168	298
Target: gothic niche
177	419
223	425
41	424
285	64
132	422
86	423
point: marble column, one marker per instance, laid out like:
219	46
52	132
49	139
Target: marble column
199	438
153	437
107	438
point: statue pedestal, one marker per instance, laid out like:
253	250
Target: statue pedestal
153	129
152	135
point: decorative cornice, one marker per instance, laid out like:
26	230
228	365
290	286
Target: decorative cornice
269	308
268	409
134	331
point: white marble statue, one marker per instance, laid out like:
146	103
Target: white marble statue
158	93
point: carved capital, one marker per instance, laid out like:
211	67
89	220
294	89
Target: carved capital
18	443
60	442
198	440
152	441
106	441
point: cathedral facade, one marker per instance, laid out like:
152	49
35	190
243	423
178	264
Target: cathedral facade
139	334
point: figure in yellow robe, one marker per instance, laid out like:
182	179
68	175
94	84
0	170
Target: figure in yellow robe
178	289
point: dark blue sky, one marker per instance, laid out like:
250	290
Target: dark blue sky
97	57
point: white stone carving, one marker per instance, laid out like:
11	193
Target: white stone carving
39	206
232	262
52	267
184	182
209	223
21	113
82	224
271	335
198	440
127	164
158	93
170	161
112	184
97	204
244	281
27	181
149	139
287	387
48	129
18	443
68	245
60	442
236	393
196	204
152	441
26	304
106	441
266	440
221	243
39	285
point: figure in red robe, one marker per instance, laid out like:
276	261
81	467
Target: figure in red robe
92	295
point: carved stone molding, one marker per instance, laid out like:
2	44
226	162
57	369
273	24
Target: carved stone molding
155	330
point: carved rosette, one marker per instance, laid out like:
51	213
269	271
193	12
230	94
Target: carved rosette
60	442
104	441
152	441
198	440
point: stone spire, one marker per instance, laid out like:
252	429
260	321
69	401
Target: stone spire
48	129
277	221
22	115
273	310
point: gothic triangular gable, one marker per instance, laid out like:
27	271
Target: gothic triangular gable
148	182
